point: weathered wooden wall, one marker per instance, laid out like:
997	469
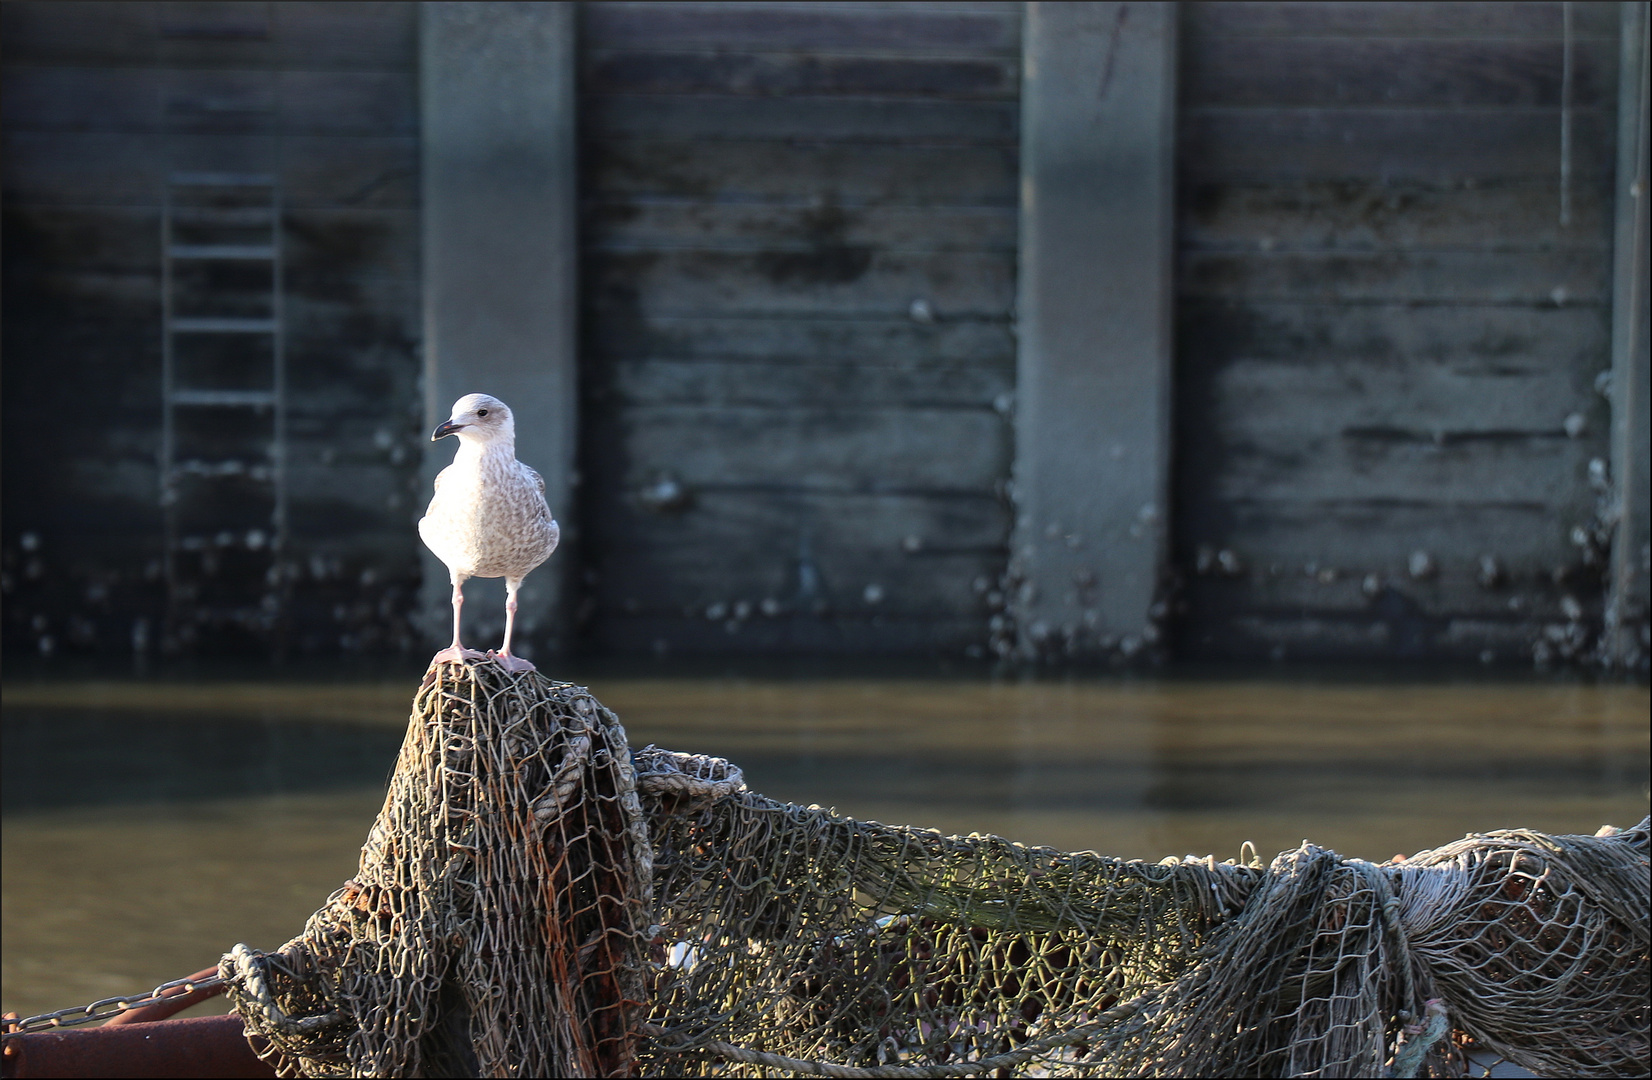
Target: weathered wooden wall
797	277
103	101
1389	340
799	269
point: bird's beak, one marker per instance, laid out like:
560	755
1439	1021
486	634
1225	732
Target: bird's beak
447	427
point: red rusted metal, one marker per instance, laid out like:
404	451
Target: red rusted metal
199	1046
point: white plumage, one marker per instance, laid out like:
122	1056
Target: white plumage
488	517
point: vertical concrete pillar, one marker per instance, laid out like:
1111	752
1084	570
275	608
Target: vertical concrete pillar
499	205
1094	321
1627	600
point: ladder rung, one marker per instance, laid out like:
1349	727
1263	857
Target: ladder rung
265	252
261	473
223	215
207	325
222	179
255	398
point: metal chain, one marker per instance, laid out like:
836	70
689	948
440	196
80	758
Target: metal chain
105	1008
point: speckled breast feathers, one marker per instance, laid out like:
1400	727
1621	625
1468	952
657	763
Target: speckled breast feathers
489	517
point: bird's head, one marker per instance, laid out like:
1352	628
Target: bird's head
479	418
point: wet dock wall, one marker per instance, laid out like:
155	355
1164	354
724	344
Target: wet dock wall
1384	405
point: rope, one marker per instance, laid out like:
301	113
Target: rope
1409	1058
664	772
245	967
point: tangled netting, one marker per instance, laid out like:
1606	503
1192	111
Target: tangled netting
535	899
498	920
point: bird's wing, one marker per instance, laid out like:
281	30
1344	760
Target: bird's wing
539	484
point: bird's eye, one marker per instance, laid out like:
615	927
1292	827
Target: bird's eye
481	412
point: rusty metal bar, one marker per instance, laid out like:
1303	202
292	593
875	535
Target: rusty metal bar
201	1046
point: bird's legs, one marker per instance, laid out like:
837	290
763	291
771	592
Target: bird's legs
457	653
503	656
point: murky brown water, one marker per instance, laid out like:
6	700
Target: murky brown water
149	827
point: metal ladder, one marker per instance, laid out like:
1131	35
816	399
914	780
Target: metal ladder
217	218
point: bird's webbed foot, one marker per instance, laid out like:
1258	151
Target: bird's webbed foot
510	663
457	654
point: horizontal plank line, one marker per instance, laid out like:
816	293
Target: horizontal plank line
1406	110
692	96
632	402
953	494
825	360
272	132
1380	503
1205	302
206	325
858	52
1393	302
848	495
1007	208
631	544
1466	36
378	136
1473	186
813	412
251	67
999	8
757	247
786	202
1390	434
973	557
1254	250
1296	613
209	215
879	319
221	179
763	361
966	124
302	284
916	98
232	252
223	398
599	199
871	318
709	35
154	207
146	205
804	141
842	202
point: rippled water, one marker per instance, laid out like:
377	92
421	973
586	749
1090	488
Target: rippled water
148	827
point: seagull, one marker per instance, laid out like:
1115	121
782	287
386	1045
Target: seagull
488	517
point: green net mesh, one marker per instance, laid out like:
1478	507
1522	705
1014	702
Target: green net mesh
535	899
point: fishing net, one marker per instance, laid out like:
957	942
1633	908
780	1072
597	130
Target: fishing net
535	899
497	923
